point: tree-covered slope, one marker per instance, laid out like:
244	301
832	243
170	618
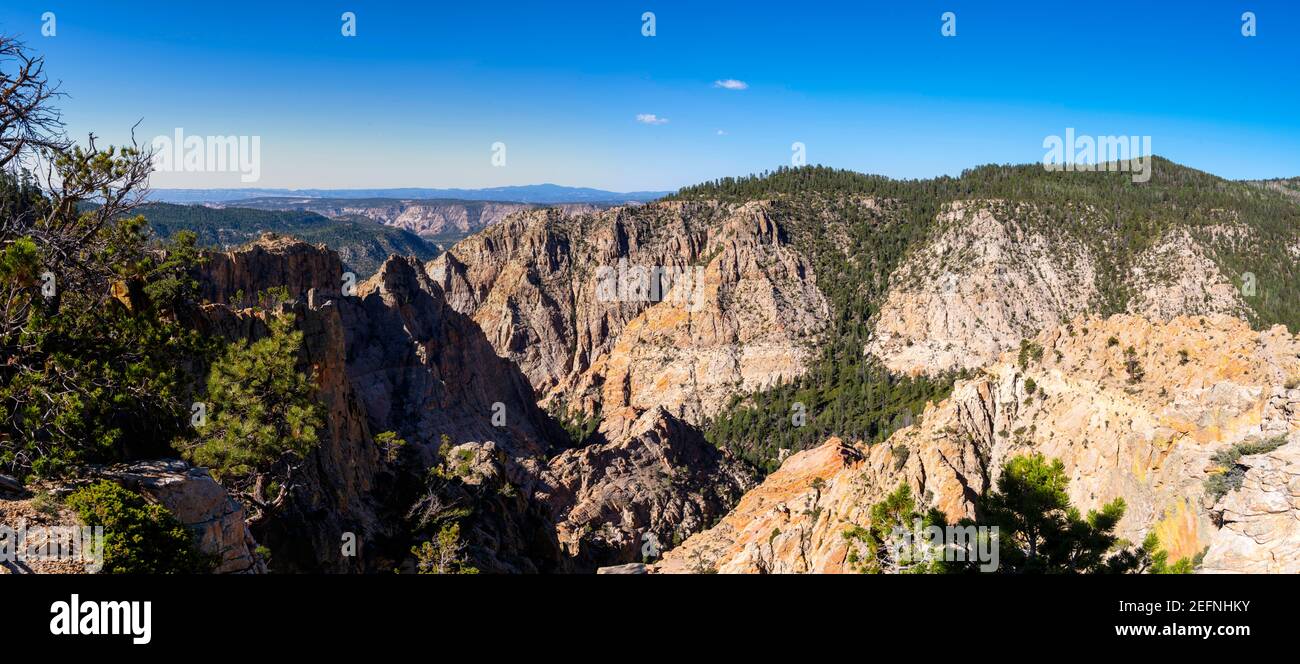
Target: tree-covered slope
362	244
868	235
1290	187
1248	228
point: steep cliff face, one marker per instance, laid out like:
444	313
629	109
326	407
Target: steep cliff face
653	488
986	281
272	261
396	356
1261	531
529	282
1134	409
423	369
1175	277
995	273
392	358
679	305
423	217
432	217
748	325
429	217
336	492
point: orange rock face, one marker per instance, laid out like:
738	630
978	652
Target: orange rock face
1139	424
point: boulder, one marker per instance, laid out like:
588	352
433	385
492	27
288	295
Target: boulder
198	502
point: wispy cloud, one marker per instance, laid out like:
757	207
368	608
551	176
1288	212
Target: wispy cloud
650	119
731	84
722	132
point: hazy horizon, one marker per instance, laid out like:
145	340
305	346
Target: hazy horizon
360	192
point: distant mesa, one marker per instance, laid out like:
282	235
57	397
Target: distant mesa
533	193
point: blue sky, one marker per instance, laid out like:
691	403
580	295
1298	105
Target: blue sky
422	92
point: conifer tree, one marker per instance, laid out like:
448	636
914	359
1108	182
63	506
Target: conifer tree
264	417
1039	531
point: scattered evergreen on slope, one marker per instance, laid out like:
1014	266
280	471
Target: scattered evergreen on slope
1107	211
845	393
361	243
1290	187
1245	228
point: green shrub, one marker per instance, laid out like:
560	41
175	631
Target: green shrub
1133	366
443	554
94	380
873	549
139	538
580	427
391	445
1229	474
266	418
1158	558
1029	351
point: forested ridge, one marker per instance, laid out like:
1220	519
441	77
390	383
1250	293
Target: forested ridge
1251	231
362	244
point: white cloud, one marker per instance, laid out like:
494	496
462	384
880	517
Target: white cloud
731	84
722	132
650	119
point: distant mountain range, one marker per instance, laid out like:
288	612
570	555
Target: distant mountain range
533	193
